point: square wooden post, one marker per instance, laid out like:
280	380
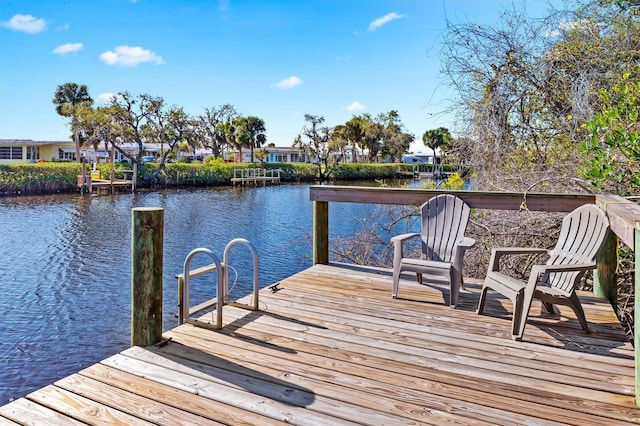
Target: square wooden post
604	277
320	232
636	311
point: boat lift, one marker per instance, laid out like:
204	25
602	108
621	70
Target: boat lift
186	313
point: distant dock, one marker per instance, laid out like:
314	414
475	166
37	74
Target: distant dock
255	175
91	182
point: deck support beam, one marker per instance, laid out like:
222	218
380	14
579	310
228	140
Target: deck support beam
320	232
636	313
147	235
604	277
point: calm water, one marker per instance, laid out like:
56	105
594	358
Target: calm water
66	266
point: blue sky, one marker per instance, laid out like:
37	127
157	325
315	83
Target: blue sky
277	60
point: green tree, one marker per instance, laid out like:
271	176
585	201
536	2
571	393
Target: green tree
613	148
212	127
255	130
526	87
313	140
95	126
70	99
439	138
395	141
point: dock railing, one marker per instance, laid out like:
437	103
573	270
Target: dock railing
624	219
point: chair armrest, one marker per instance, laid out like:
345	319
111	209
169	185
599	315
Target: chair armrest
467	242
397	245
403	237
497	253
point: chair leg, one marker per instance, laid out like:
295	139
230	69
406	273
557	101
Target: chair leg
574	303
548	307
396	281
483	296
524	305
454	288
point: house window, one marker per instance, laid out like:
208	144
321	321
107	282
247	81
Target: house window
10	153
281	158
295	157
33	153
67	154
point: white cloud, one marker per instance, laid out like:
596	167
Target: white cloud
106	97
288	83
128	56
26	24
355	106
63	49
374	25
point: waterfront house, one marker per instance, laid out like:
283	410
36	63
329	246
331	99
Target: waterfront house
16	151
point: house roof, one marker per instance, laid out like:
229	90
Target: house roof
30	142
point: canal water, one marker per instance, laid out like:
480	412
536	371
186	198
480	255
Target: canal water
65	287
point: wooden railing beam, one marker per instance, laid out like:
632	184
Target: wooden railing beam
475	199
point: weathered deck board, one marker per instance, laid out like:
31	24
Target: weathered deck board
330	346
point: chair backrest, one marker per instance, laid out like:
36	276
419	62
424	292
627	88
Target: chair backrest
444	220
582	234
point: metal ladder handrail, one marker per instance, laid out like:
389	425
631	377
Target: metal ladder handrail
186	276
256	270
222	290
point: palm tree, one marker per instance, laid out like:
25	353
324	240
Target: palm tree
437	138
69	99
255	130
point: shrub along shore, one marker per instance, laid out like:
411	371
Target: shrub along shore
51	178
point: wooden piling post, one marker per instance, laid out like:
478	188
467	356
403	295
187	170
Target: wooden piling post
320	232
147	235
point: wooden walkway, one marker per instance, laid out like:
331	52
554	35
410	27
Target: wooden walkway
330	346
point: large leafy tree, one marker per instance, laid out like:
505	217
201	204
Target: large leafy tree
395	141
143	119
96	126
213	125
314	140
613	150
527	87
70	99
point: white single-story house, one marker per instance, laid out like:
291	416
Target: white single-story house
16	151
276	154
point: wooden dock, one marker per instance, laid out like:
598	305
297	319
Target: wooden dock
330	346
254	176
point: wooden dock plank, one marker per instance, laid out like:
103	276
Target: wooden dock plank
178	398
83	409
129	402
330	346
30	413
358	377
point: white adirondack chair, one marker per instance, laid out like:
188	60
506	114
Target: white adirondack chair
444	220
581	237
